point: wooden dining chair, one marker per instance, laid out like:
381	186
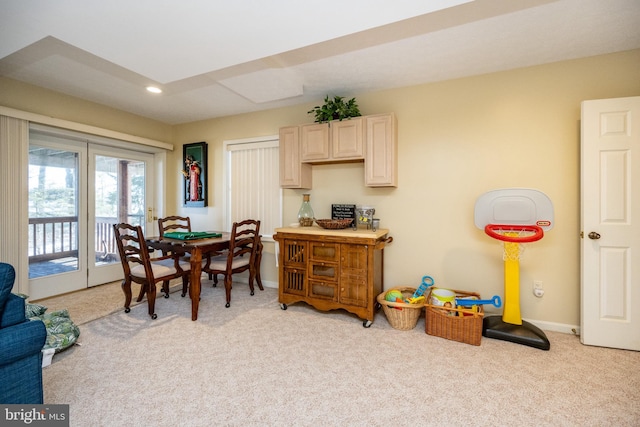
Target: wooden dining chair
140	268
178	223
174	223
244	245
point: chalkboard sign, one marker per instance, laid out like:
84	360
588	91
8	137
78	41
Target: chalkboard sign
343	211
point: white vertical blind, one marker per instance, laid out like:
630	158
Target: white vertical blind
14	222
253	183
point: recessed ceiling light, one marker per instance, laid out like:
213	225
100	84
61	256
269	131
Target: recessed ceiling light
154	89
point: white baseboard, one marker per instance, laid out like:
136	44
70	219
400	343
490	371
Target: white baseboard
544	325
556	327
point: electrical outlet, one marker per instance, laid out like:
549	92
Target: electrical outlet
538	289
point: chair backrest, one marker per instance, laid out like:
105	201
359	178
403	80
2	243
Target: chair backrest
174	223
244	241
132	248
7	279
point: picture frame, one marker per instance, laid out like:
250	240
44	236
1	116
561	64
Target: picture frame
194	162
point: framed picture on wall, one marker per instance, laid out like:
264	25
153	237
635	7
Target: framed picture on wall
194	160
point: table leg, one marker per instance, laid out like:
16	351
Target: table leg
195	285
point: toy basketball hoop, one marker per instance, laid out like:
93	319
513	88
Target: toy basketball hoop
514	233
514	216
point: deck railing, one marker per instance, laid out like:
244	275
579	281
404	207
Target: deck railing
56	237
53	238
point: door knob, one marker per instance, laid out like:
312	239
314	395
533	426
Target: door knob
593	235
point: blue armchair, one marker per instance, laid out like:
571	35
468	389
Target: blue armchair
21	342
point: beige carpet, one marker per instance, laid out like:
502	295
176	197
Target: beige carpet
96	302
254	364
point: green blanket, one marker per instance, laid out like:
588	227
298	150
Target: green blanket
191	235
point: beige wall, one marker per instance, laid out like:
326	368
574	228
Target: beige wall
21	96
457	140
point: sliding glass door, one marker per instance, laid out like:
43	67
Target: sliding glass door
77	190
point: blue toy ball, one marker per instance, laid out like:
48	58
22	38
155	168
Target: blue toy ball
393	295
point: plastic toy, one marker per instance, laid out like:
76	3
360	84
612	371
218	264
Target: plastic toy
496	301
427	281
394	295
417	300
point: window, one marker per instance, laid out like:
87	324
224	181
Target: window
252	182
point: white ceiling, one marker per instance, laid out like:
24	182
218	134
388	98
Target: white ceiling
214	58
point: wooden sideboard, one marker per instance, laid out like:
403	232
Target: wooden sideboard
332	269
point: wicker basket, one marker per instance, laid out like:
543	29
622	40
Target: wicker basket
334	224
400	315
465	326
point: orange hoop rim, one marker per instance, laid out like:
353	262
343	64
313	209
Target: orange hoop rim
492	230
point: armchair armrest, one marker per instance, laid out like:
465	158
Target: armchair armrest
22	340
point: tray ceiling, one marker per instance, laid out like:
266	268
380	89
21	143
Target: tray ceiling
218	58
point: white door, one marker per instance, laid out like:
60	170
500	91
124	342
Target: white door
610	222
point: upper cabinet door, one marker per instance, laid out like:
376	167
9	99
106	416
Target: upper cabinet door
293	174
381	159
346	139
315	142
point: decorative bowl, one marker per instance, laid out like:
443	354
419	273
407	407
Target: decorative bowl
334	224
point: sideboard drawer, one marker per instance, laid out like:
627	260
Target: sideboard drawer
323	270
323	290
323	251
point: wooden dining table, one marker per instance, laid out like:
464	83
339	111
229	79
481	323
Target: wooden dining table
197	249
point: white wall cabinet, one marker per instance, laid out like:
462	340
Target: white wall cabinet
372	139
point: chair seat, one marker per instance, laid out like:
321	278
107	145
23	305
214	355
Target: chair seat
241	256
160	268
220	262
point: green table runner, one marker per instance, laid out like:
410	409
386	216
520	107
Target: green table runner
191	235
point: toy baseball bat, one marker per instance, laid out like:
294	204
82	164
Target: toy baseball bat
496	301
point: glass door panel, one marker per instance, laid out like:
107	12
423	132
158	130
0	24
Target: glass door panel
56	238
119	183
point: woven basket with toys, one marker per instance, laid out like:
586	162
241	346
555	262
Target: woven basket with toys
401	313
460	323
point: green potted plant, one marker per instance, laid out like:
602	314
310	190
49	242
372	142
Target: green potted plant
335	109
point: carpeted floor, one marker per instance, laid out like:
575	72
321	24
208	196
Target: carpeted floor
256	364
96	302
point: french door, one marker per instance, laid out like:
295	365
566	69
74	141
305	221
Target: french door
120	192
77	190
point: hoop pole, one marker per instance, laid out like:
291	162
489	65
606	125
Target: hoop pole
511	313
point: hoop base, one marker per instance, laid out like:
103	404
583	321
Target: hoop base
525	334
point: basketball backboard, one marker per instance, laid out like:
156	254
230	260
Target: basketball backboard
514	206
